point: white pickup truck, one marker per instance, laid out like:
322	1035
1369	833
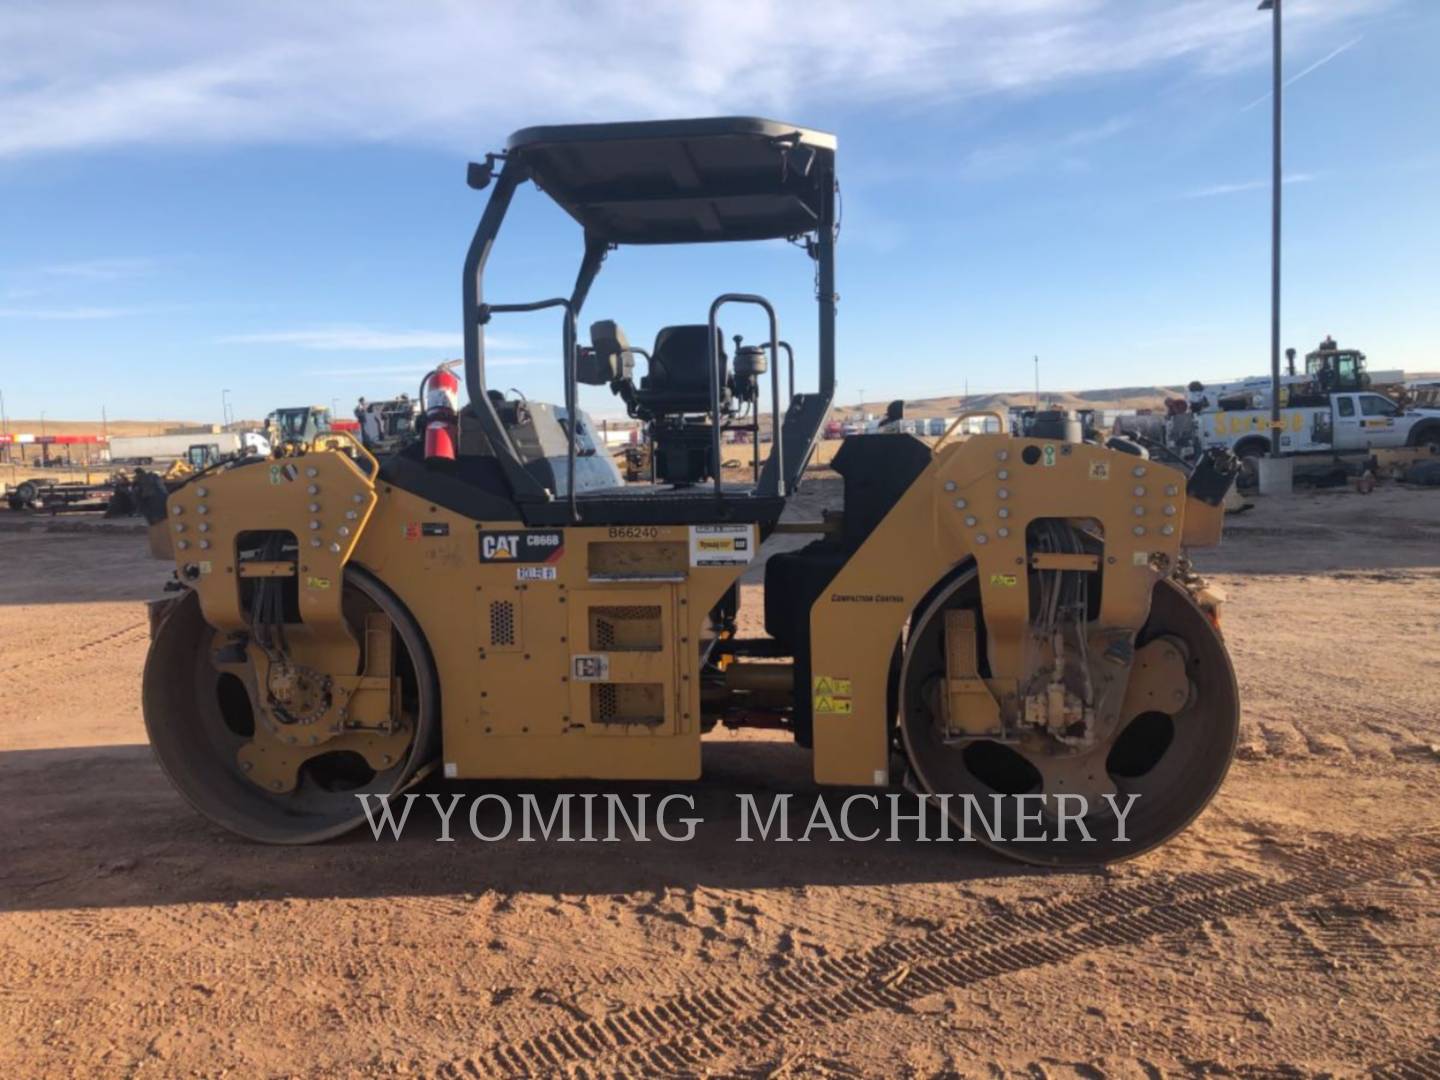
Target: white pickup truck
1347	423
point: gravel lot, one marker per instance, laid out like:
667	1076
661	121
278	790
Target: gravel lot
1293	930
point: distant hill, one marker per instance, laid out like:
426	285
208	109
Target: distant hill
1120	397
1115	398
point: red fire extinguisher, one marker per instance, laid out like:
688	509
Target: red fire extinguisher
440	392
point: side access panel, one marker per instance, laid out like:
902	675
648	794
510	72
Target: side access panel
626	681
561	652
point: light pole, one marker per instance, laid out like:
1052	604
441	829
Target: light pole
1037	383
1273	6
225	409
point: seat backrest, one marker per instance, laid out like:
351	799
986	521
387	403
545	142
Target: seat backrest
678	361
608	359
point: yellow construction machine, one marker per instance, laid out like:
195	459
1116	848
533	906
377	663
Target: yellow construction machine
294	427
994	616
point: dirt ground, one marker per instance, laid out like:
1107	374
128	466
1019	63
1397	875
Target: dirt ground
1294	930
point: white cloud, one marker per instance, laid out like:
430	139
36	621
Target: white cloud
1116	125
105	269
1331	55
1249	185
418	369
1002	160
353	339
66	314
77	75
500	350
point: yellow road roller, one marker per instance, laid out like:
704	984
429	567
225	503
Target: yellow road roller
999	618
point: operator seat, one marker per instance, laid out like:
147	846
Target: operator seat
678	381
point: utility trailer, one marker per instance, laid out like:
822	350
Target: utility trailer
116	495
59	496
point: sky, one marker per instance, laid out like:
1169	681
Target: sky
269	198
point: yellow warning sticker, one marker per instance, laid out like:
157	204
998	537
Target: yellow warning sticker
1099	470
1006	581
317	583
832	695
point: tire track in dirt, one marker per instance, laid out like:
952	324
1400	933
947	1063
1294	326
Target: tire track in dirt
72	672
678	1033
144	969
1283	740
1423	1066
1331	936
118	638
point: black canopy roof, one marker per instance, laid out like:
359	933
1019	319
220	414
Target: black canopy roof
683	181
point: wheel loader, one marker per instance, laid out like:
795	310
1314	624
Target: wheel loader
294	427
993	616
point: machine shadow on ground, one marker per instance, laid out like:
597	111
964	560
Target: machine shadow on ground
101	827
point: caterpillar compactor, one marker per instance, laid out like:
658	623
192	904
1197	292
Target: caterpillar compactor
991	615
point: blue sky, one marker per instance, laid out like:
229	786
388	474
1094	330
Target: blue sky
269	197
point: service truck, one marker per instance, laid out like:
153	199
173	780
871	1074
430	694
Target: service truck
1353	422
1332	408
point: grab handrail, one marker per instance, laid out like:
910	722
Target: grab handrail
966	416
712	350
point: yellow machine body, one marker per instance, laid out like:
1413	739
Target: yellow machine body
974	503
999	615
577	651
564	652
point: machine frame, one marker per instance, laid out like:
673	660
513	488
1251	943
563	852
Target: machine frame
687	196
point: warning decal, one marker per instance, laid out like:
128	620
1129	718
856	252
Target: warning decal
721	545
832	695
414	530
590	667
